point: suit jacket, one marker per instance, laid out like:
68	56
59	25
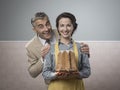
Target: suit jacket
33	48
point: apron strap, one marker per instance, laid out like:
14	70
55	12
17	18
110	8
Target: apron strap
76	52
56	52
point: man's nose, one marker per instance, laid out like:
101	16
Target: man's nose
45	28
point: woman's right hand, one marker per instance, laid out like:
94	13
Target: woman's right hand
62	75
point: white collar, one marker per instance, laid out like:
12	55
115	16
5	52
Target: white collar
42	40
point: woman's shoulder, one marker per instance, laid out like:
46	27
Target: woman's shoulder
78	44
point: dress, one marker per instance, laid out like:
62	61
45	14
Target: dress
65	84
68	84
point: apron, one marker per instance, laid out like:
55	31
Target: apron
66	84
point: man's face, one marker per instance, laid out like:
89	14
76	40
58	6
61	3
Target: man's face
43	28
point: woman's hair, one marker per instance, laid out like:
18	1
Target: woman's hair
67	15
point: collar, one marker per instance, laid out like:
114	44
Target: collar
71	41
42	40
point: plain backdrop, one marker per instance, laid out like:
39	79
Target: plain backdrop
98	20
104	61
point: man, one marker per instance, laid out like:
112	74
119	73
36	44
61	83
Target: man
39	45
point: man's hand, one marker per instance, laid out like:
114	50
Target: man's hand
45	50
85	48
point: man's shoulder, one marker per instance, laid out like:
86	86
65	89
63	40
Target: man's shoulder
55	33
30	42
54	29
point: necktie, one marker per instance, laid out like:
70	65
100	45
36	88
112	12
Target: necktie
47	42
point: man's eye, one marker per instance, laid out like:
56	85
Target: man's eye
47	24
40	26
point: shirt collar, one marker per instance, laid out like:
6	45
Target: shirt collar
42	40
71	41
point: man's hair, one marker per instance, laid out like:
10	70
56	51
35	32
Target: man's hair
38	15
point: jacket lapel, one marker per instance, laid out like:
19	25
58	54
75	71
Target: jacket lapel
38	45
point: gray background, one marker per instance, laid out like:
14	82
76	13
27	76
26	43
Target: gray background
99	20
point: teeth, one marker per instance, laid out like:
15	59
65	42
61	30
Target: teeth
65	33
46	32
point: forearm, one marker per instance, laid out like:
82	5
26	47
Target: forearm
48	72
85	70
48	75
35	69
84	73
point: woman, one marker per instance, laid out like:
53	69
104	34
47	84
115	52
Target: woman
66	80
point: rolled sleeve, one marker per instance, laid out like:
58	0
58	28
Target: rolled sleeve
48	73
85	71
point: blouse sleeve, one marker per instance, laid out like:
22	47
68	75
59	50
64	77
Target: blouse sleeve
48	73
84	65
85	70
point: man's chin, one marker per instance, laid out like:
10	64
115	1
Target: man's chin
48	37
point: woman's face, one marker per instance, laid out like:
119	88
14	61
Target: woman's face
65	27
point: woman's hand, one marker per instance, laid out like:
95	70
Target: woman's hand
62	75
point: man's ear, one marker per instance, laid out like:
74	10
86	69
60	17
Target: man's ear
34	30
